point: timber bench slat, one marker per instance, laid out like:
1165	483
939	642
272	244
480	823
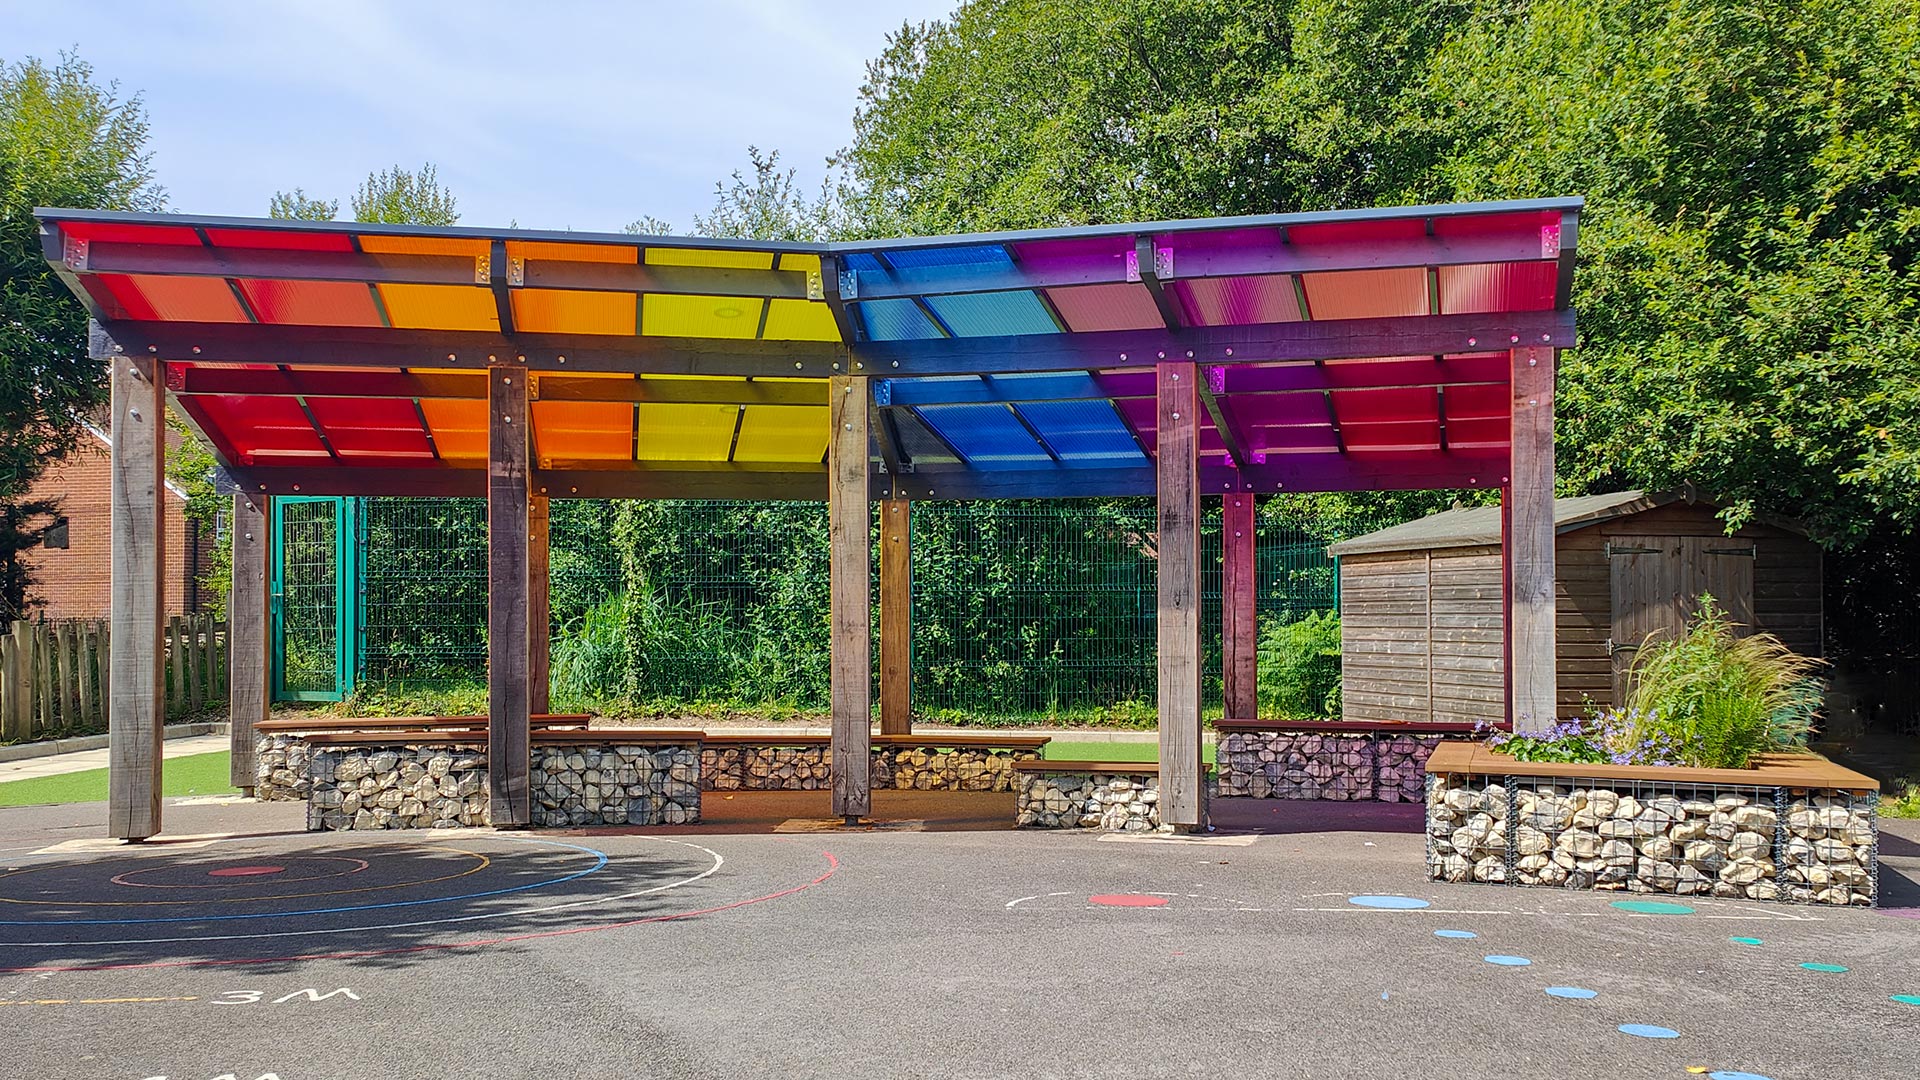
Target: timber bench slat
933	739
331	724
605	737
1355	727
1142	767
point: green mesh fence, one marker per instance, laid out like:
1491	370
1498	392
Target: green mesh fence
309	610
1021	609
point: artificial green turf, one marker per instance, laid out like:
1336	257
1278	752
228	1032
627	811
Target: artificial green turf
195	774
1062	750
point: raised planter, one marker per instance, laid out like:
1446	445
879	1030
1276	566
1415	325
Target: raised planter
1114	796
921	762
1797	828
1332	759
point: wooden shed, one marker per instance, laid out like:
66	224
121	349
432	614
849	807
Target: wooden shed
1421	611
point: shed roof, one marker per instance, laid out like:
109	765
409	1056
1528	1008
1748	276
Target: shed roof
1479	526
1357	349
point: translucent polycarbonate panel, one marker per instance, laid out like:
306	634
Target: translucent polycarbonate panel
278	240
1399	436
1480	433
730	260
997	314
1386	405
800	320
1483	287
120	232
555	311
459	427
966	257
896	320
1106	307
174	299
1478	402
663	315
1237	301
798	261
1084	432
564	252
917	440
1356	232
675	432
371	427
987	436
795	433
1366	294
261	428
440	307
311	303
583	430
470	247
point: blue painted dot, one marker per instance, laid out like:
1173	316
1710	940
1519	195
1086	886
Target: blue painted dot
1735	1074
1509	961
1830	968
1652	907
1400	902
1906	999
1746	941
1455	934
1649	1031
1577	992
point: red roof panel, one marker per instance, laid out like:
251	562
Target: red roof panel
262	427
279	240
379	427
152	297
311	303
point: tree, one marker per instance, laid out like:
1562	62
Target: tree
400	197
295	205
66	141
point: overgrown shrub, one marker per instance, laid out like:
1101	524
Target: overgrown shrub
589	657
1300	666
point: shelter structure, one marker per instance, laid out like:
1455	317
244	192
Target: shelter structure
1372	349
1420	602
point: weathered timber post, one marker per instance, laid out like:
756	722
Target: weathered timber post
896	617
137	687
849	524
249	634
1239	662
509	662
539	606
1183	794
1528	548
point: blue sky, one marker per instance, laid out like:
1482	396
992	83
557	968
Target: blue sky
553	114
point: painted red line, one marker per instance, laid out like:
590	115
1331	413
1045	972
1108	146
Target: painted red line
833	865
1127	900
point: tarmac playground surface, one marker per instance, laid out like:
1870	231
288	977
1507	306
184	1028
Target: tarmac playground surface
937	943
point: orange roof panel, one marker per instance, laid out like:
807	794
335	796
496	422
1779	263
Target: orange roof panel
439	307
583	430
459	427
555	311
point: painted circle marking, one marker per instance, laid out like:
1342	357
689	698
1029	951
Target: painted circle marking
1746	941
1651	907
1508	961
1649	1031
481	862
1735	1074
354	866
1395	903
1577	993
1832	969
1127	900
246	871
1905	999
1461	934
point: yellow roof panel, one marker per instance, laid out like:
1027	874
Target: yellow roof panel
782	433
556	311
439	307
793	261
800	320
678	432
729	260
663	315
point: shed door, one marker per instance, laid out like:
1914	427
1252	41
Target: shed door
1657	585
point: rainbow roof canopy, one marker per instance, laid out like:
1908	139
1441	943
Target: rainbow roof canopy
1363	349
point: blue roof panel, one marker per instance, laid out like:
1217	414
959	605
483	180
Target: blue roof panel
897	320
988	436
1084	433
994	314
982	257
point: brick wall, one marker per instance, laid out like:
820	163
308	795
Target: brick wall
74	583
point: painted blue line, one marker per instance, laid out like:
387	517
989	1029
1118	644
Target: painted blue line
599	856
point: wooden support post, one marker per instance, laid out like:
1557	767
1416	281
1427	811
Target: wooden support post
896	617
1183	793
43	648
509	661
64	645
849	532
137	683
1238	632
539	607
16	712
249	633
1528	555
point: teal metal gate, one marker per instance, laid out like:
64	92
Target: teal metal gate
315	609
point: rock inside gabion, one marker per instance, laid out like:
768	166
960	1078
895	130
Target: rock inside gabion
1069	800
1685	841
280	768
1376	766
808	768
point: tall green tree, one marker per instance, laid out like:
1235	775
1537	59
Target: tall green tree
297	205
402	197
66	140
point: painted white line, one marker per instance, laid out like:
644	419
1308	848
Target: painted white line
1035	896
1239	840
718	861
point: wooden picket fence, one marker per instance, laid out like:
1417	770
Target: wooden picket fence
53	675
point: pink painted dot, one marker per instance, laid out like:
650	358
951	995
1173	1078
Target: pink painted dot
245	871
1127	900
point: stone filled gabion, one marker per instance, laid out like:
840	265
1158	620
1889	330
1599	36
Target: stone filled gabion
807	768
1688	841
280	768
616	785
1376	766
1118	803
445	786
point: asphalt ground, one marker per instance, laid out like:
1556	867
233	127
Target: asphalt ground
770	943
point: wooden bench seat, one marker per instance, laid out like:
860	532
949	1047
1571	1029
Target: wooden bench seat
332	724
478	737
935	739
1145	768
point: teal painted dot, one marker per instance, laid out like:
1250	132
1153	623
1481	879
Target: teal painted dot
1578	993
1734	1074
1746	941
1508	961
1455	934
1649	1031
1907	999
1832	968
1404	903
1652	907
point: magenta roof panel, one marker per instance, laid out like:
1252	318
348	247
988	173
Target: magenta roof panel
1237	301
1106	307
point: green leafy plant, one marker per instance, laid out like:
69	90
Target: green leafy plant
1902	799
1300	665
589	659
